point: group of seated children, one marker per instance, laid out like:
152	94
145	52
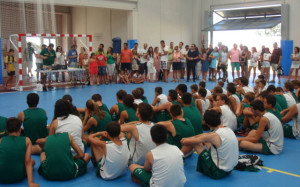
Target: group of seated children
152	139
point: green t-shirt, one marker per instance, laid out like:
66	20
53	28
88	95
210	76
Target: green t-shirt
2	126
280	99
145	100
12	159
116	117
184	129
51	56
110	59
161	116
131	115
59	163
175	102
101	123
278	107
241	118
193	114
276	113
104	107
35	124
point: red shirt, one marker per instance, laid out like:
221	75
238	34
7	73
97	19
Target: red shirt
126	55
101	60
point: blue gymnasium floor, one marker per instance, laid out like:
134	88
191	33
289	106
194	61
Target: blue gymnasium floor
280	170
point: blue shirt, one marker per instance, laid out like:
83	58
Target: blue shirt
72	53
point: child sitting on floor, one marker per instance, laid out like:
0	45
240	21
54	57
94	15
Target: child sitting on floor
137	78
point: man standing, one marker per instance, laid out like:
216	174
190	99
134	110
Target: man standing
39	61
234	56
72	56
163	53
143	60
192	59
126	58
276	61
48	55
29	51
101	46
170	56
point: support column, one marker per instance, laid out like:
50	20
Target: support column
132	25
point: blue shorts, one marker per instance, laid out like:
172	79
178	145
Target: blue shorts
102	70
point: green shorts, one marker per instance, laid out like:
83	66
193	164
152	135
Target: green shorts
207	166
98	167
288	131
235	65
142	176
80	166
265	149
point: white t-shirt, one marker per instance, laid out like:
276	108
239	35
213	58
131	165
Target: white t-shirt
163	99
142	52
208	93
167	169
228	118
227	155
60	58
296	124
139	149
274	135
39	60
289	99
115	163
266	57
183	52
254	57
205	105
248	89
237	99
224	58
138	101
164	57
224	91
72	125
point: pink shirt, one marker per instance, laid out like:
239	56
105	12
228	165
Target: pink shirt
234	55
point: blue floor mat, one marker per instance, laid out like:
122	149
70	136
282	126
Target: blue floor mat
286	166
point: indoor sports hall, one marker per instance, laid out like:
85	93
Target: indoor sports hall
80	48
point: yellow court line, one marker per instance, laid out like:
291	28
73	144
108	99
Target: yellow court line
270	170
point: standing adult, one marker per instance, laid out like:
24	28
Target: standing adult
234	56
111	64
170	56
157	62
205	63
176	64
39	62
126	58
49	59
184	52
276	61
10	67
213	64
265	68
143	60
220	50
244	61
193	58
72	60
224	62
296	63
253	63
72	56
60	63
163	53
29	51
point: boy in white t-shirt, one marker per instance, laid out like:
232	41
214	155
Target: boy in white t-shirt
160	98
110	157
224	151
139	134
163	165
137	78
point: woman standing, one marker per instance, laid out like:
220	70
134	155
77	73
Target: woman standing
60	63
111	64
213	64
205	63
150	64
265	68
224	62
176	64
157	61
81	56
253	63
296	63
